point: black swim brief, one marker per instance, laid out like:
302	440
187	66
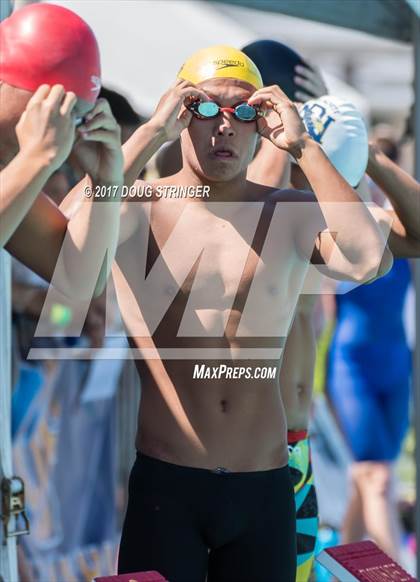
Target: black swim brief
189	523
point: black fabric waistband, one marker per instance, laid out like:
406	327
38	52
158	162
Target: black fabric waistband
154	463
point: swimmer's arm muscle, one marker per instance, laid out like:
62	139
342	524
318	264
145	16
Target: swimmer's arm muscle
270	166
70	250
20	183
138	150
356	250
402	243
403	192
166	124
39	240
45	133
324	247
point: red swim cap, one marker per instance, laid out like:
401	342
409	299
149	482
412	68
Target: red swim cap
45	43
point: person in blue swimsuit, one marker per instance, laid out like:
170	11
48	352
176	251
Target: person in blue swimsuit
369	388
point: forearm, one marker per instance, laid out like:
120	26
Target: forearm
138	150
402	190
270	166
91	237
20	183
358	237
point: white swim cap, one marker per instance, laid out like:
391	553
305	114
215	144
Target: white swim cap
339	128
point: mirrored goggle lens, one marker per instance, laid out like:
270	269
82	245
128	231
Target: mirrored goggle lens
208	109
245	112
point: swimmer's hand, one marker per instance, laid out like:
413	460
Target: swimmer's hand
98	148
311	82
46	128
171	116
281	124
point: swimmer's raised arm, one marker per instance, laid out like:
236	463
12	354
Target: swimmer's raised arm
45	134
270	166
38	88
166	124
76	236
403	192
357	251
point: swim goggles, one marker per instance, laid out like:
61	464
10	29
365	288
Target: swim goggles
210	109
78	121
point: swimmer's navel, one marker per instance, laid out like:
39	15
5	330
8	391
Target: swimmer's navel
223	405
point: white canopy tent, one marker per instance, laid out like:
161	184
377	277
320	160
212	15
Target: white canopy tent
150	39
378	68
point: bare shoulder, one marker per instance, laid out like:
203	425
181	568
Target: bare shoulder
140	191
260	192
291	195
148	195
148	190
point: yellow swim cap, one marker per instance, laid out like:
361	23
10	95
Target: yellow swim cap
220	61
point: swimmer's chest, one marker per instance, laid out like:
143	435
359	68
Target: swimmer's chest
205	270
217	259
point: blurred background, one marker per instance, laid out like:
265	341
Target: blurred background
150	39
74	421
